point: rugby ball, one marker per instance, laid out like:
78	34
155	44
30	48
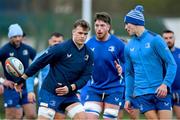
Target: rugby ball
14	66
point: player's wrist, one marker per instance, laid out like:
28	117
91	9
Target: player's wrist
2	80
69	88
21	80
24	76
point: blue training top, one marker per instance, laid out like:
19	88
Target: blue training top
68	65
24	53
147	59
176	83
105	76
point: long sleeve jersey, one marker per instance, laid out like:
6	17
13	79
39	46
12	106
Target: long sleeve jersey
105	76
149	63
68	65
176	55
41	76
24	53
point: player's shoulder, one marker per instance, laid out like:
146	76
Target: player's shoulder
152	36
152	33
66	43
5	47
23	45
62	47
92	39
177	49
116	39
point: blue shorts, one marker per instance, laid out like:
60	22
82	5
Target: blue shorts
13	99
57	103
152	102
83	93
134	104
115	98
176	98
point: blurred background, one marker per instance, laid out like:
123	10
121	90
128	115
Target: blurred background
39	18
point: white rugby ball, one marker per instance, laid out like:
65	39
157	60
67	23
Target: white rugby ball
14	66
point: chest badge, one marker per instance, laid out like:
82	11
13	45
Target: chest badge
111	48
86	57
25	52
147	45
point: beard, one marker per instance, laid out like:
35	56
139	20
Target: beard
170	45
16	44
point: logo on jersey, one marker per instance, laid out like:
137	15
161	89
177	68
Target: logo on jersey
25	52
93	49
131	49
86	57
166	103
69	55
11	54
116	99
147	45
10	102
52	103
111	48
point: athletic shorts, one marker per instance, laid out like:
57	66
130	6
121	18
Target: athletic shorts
115	98
13	98
57	103
83	93
134	104
152	102
176	98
